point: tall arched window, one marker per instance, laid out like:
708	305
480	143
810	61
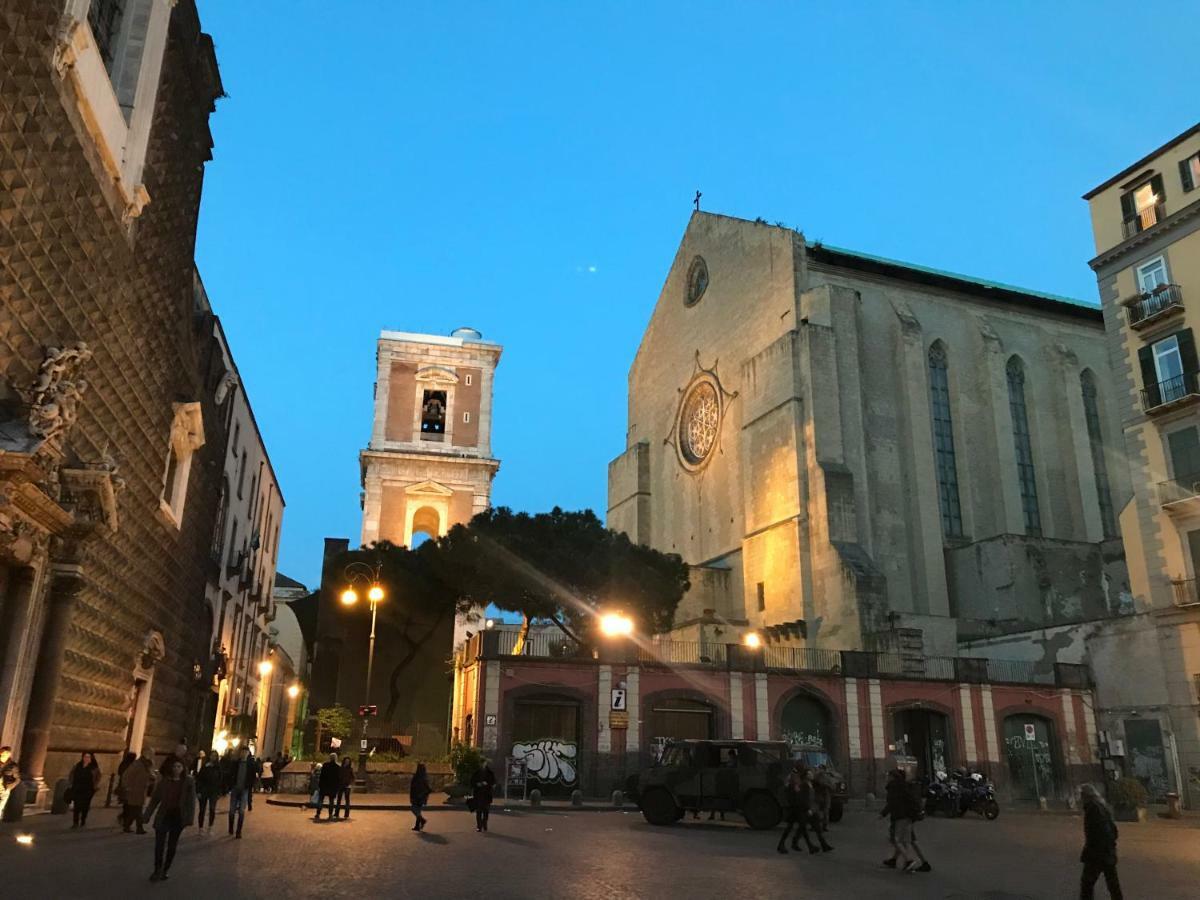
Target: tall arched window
1024	449
1091	414
943	441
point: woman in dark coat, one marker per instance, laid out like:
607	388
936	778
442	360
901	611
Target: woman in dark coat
418	795
345	785
85	780
1099	856
482	784
208	789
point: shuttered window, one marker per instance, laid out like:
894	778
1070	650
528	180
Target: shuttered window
943	441
1026	475
1189	172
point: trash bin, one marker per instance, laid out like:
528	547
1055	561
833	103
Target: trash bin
1173	810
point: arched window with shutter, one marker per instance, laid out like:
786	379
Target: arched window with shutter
1023	446
943	441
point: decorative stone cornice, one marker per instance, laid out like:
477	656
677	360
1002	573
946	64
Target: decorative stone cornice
90	492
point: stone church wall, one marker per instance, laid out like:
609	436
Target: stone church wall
69	271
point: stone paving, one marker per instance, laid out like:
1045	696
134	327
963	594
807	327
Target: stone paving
557	853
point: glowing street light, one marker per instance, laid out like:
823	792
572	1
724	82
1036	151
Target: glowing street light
375	594
264	667
752	640
616	625
294	691
349	597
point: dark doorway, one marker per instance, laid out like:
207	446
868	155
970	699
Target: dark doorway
924	734
806	724
1146	757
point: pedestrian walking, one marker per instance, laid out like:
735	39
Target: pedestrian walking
85	781
345	785
901	807
483	783
255	777
208	789
418	795
239	778
1099	856
328	784
136	784
801	813
10	774
823	786
173	807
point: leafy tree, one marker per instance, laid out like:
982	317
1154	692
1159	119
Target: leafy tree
335	721
466	761
562	568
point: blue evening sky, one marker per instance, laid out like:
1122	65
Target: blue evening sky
528	168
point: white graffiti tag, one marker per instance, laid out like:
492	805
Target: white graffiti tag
548	760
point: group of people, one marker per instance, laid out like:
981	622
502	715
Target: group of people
807	805
332	782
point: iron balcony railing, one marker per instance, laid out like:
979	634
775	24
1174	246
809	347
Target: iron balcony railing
1179	489
1170	391
1186	593
1143	219
1151	305
850	663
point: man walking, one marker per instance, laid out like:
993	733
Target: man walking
239	779
136	783
1099	856
330	783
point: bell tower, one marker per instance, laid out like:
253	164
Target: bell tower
429	464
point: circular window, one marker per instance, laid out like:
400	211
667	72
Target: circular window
699	422
697	281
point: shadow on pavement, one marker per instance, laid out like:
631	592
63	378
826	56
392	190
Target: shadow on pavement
433	838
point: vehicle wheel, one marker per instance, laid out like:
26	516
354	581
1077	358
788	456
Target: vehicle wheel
659	808
835	811
991	809
761	811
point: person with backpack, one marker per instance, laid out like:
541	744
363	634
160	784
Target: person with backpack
903	806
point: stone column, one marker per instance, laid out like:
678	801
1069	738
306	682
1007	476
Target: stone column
66	581
21	583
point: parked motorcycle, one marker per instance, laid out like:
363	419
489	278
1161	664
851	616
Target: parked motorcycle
942	795
977	794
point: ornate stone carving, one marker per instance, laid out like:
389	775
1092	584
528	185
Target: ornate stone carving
227	383
152	651
696	431
90	491
55	394
66	43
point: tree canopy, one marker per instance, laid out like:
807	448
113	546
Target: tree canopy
557	567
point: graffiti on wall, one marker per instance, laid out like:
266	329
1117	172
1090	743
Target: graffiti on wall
547	760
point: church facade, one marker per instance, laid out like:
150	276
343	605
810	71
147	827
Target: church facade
854	453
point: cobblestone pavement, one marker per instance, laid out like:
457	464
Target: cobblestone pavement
609	855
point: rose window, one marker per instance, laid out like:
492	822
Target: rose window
699	422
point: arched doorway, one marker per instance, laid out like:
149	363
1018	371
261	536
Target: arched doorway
1030	762
546	734
805	723
679	719
924	735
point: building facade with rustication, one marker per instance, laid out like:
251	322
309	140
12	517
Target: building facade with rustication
855	453
110	435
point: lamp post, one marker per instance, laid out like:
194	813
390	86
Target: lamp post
362	574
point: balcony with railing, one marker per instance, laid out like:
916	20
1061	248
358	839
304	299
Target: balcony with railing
1172	393
1143	219
1154	306
778	658
1186	592
1180	494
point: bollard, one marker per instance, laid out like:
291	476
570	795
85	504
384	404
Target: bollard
577	797
1173	810
535	797
618	798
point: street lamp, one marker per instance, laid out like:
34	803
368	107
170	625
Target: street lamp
616	625
752	640
294	691
264	668
366	575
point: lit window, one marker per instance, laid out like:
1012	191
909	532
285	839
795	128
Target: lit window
1189	172
1026	475
1091	415
943	442
1142	206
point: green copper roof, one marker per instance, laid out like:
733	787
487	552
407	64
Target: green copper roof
1057	298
